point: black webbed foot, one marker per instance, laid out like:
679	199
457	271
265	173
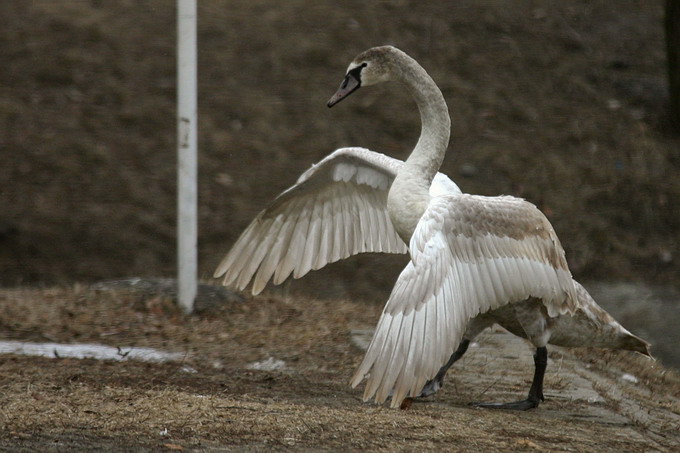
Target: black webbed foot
523	405
535	392
433	385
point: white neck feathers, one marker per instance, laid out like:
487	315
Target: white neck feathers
409	195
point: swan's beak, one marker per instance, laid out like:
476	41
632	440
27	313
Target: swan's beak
347	87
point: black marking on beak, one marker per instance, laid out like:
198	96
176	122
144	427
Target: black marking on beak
349	85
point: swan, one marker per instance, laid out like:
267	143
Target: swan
474	260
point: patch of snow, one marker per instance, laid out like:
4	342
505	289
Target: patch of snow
361	338
87	351
629	378
271	364
613	104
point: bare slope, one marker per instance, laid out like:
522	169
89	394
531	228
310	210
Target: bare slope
559	102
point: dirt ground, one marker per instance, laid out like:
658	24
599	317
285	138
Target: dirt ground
212	401
560	102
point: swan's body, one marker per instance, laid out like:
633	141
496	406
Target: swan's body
589	326
474	260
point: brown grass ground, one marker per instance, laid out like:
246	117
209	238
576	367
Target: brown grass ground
559	102
211	401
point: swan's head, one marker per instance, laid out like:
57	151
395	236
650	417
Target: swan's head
372	66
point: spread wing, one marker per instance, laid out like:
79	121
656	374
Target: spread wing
336	209
469	254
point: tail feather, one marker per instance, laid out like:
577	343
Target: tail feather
634	343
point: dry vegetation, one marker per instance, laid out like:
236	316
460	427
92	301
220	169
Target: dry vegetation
211	401
561	102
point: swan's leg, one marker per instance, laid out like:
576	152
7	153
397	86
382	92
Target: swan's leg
433	385
535	392
476	326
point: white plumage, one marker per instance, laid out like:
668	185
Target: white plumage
335	210
452	278
474	260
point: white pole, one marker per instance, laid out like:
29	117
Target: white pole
186	154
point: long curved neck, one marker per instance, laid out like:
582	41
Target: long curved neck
428	155
409	194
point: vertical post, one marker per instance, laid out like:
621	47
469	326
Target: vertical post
672	25
186	155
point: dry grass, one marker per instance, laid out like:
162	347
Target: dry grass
211	401
561	103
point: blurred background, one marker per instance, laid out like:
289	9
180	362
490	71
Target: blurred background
563	103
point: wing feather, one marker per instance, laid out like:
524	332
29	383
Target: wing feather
299	221
338	221
336	209
469	254
324	251
265	271
282	262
